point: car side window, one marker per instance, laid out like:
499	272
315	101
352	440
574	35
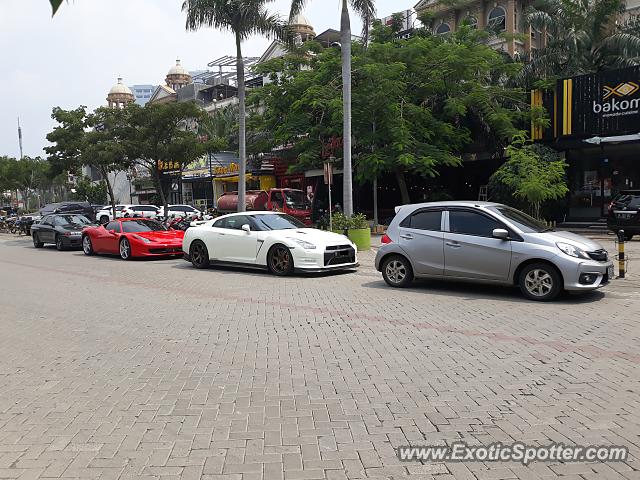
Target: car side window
424	220
238	221
472	223
221	223
114	226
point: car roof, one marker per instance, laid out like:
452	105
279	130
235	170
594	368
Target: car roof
131	219
450	203
252	212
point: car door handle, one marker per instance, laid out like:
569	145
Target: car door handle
453	244
406	236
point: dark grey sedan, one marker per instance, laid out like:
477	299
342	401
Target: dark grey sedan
65	231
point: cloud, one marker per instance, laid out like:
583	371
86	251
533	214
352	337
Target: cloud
75	58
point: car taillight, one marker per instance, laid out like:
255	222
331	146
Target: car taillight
386	239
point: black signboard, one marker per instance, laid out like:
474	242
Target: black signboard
602	104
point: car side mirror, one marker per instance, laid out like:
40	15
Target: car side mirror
246	228
501	233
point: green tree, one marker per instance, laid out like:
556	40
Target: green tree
164	138
89	139
243	18
366	9
530	176
27	176
92	192
582	36
409	116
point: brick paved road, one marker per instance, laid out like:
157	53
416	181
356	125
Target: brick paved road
112	369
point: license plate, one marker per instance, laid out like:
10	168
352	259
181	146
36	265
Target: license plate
610	272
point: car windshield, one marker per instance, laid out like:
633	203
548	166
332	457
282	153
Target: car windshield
72	221
277	222
140	226
297	199
521	220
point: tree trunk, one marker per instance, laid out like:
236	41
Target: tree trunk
345	32
112	197
402	184
160	190
242	140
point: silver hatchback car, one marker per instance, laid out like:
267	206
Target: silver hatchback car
489	243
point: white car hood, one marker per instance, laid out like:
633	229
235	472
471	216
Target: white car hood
320	238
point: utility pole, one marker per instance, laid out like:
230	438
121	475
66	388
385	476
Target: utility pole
20	138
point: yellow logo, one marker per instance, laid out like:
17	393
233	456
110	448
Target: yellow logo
623	90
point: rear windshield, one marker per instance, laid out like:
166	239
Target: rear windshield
627	199
138	226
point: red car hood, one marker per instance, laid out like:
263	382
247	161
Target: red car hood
168	236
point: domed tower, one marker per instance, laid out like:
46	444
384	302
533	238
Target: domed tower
177	77
120	95
302	28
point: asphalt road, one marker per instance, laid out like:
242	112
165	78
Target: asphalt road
153	369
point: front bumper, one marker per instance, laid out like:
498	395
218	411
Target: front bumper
598	274
159	250
337	257
73	241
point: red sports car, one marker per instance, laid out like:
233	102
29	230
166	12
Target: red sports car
132	237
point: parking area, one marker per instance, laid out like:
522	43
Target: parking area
153	369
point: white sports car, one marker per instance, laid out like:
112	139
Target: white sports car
270	240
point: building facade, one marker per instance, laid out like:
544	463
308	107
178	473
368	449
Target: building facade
142	93
594	121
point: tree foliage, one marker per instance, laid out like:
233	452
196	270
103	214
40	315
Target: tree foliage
533	173
410	115
164	138
581	36
89	139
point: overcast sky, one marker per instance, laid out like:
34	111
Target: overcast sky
75	58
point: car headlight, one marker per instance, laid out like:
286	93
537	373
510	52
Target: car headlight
572	250
142	239
304	244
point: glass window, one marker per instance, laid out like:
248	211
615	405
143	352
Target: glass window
277	199
443	28
297	199
144	208
136	226
277	222
424	220
113	226
472	223
521	220
498	18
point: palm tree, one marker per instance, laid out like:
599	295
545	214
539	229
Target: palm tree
582	36
366	9
243	18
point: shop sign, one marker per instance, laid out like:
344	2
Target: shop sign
227	169
606	103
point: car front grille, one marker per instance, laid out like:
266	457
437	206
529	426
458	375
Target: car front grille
339	255
599	255
166	250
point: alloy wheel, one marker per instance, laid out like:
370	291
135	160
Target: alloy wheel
538	283
125	249
86	245
199	256
396	271
280	260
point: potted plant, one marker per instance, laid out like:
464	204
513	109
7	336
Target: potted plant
359	231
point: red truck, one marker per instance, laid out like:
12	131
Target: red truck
286	200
